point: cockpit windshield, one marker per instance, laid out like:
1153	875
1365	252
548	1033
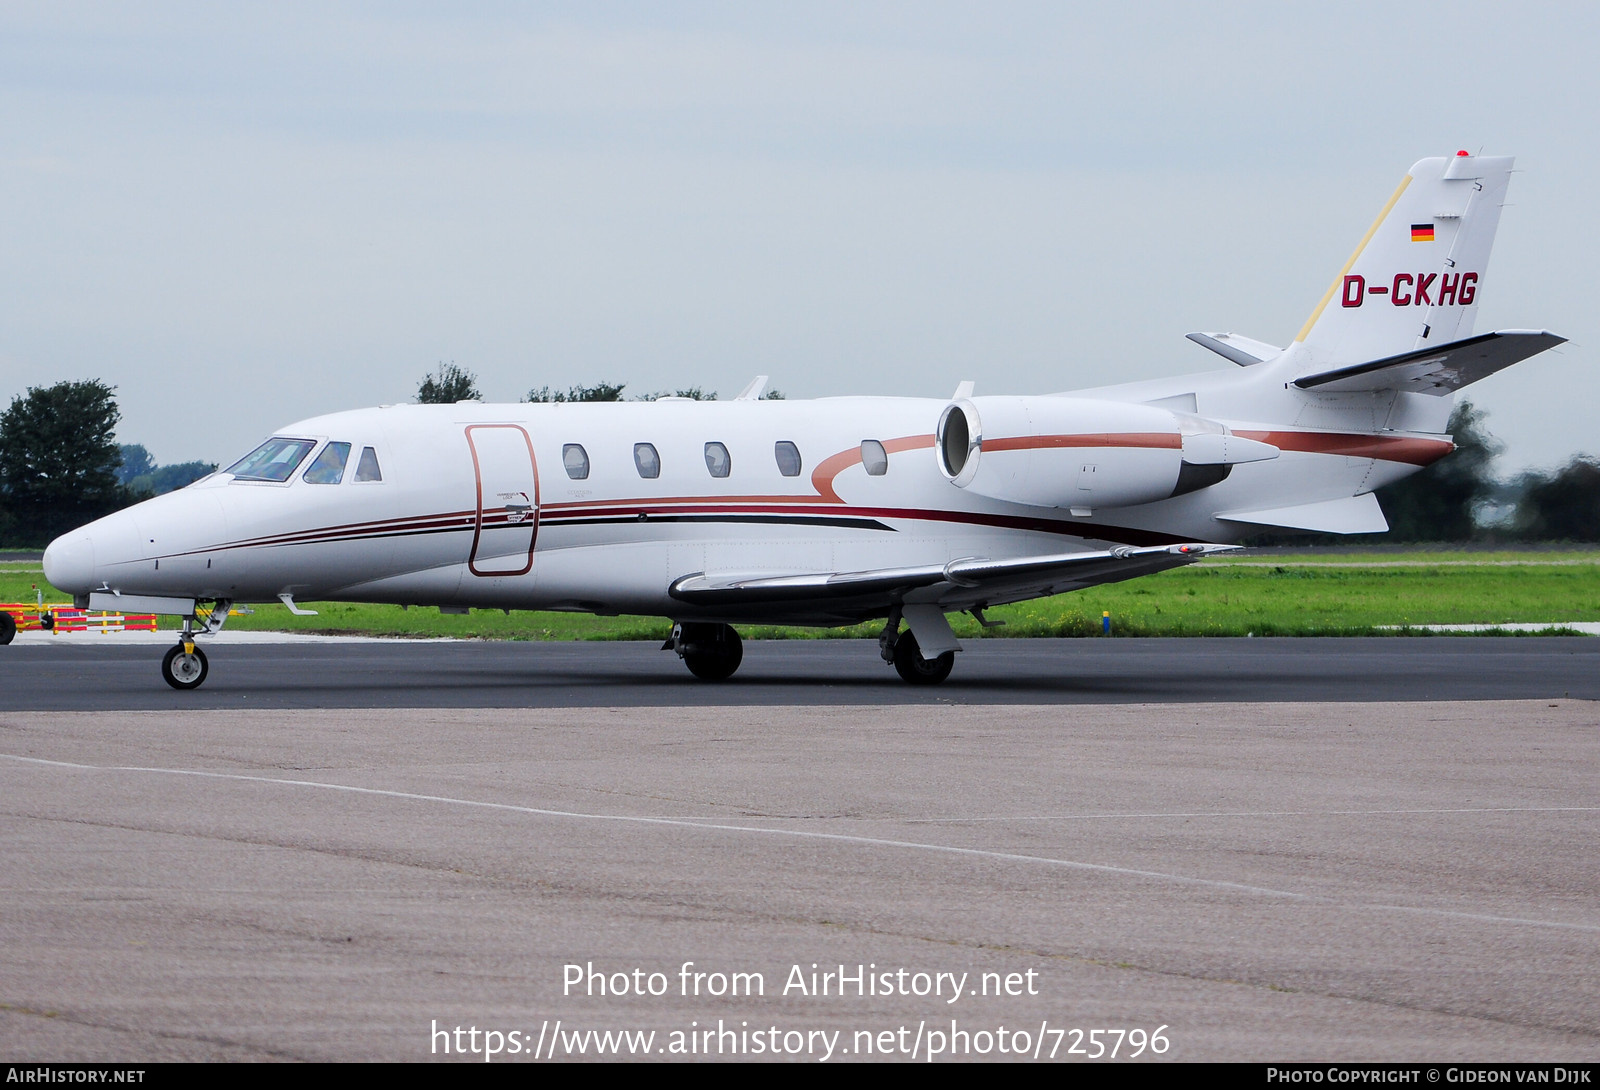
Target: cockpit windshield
274	460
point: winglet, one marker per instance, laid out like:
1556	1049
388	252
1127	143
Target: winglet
754	390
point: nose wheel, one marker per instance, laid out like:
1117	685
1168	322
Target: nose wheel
184	666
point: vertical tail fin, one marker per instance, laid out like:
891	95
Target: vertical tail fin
1414	279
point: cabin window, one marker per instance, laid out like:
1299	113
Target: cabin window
718	461
648	461
874	458
329	466
788	456
274	460
367	469
576	461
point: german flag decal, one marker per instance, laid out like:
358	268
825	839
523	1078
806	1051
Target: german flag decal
1422	232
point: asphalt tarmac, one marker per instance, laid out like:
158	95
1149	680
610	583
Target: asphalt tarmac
103	673
1350	850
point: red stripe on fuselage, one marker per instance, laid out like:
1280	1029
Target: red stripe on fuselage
1386	448
830	467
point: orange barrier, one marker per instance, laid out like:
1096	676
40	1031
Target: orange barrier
64	618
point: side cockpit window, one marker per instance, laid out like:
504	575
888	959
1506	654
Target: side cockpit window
367	469
275	460
329	466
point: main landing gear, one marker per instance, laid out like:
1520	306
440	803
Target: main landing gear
712	652
185	667
900	648
912	667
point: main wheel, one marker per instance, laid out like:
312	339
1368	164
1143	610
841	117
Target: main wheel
712	652
184	669
8	627
910	665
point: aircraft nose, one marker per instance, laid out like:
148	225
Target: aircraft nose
69	563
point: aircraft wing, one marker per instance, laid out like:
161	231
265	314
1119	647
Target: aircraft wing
960	584
1440	370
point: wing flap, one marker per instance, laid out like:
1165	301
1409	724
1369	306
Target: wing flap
1440	370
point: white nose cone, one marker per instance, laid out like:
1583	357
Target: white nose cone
69	563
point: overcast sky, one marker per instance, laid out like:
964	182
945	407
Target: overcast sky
244	215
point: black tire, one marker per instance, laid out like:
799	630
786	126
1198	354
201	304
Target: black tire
185	671
712	652
911	666
8	627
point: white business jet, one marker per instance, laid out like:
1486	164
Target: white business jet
839	510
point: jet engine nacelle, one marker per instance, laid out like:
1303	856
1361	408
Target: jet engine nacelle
1081	453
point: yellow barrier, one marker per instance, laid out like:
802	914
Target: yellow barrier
65	618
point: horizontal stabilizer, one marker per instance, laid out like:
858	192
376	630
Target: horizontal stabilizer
1231	346
1351	515
1441	370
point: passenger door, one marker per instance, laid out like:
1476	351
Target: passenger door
507	477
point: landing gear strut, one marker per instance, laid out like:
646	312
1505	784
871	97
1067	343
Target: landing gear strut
712	652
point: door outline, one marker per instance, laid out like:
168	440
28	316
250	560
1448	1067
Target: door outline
506	512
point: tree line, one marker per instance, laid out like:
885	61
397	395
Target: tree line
61	466
1446	501
449	383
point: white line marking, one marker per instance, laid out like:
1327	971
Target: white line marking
801	834
1262	813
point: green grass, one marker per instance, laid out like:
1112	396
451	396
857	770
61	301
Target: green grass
1300	595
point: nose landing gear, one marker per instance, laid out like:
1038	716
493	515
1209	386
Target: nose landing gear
184	666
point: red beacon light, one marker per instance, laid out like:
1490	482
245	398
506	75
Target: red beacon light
1460	153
